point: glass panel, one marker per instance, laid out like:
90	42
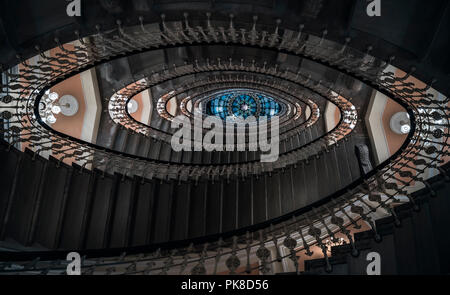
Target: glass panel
242	103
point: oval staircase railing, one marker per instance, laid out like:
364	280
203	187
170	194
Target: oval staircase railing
121	116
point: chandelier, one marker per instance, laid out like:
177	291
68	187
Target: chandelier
51	104
49	107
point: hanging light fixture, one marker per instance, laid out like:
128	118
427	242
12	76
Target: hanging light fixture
132	106
51	104
400	123
48	107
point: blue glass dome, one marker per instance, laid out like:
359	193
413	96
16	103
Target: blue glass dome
244	106
269	107
241	103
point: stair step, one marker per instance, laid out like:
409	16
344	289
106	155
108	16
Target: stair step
77	198
180	212
144	213
323	179
120	221
311	181
230	198
133	143
351	156
286	188
120	141
440	217
166	151
244	202
52	203
216	157
162	212
300	187
213	207
187	157
425	241
155	147
196	158
344	169
206	157
405	248
9	176
197	208
176	157
273	195
333	171
25	196
145	147
101	201
260	199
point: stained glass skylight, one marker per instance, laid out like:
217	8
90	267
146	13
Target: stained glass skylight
242	103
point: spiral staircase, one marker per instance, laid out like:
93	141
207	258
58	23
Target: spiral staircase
130	204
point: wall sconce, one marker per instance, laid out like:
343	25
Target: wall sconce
400	123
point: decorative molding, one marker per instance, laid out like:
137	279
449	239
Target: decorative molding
375	128
93	103
147	107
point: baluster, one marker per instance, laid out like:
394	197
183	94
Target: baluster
232	30
291	243
275	242
168	263
249	240
253	32
200	269
186	258
167	34
263	254
329	232
211	30
275	37
355	224
218	255
360	211
305	244
340	223
316	232
233	261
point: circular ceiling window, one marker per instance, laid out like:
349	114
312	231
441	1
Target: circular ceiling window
242	103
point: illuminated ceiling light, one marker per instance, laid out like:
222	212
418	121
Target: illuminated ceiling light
48	107
56	109
132	106
53	96
51	119
69	105
405	128
400	123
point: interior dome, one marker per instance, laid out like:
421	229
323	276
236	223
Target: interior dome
242	103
